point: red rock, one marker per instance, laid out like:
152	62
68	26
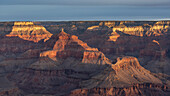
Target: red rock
70	46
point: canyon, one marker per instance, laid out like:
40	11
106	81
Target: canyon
85	58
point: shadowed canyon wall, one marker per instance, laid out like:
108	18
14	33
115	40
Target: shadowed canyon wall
84	58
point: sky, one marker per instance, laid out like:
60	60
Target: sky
67	10
87	2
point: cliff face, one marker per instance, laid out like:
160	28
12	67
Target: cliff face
135	90
5	27
140	39
11	92
44	76
95	58
133	38
90	58
70	46
114	36
159	28
126	77
125	72
137	30
29	31
58	71
15	45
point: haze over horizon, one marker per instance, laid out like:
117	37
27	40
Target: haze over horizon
67	10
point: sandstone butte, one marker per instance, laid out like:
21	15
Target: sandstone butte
29	31
70	46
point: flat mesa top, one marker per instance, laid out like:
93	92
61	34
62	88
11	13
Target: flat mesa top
23	23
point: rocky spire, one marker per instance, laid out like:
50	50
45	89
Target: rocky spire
62	30
62	33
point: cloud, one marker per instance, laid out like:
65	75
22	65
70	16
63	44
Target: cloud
85	2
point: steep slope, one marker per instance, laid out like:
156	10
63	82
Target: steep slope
126	77
157	29
59	70
60	63
29	31
15	45
159	66
71	46
44	76
8	88
125	72
45	64
5	27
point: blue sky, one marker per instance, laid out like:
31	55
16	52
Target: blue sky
67	10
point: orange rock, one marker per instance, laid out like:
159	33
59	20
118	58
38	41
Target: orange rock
70	46
125	62
114	36
92	27
95	57
29	31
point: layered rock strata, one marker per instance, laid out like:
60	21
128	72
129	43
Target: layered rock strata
29	31
71	46
126	77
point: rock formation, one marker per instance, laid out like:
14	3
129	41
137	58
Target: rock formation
14	45
159	28
44	77
5	28
114	36
100	58
29	31
137	30
93	28
71	46
125	72
119	78
69	62
135	90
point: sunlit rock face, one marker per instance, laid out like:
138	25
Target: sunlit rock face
70	46
29	31
124	72
109	24
94	57
93	28
137	30
59	71
125	75
114	36
89	58
157	29
140	39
